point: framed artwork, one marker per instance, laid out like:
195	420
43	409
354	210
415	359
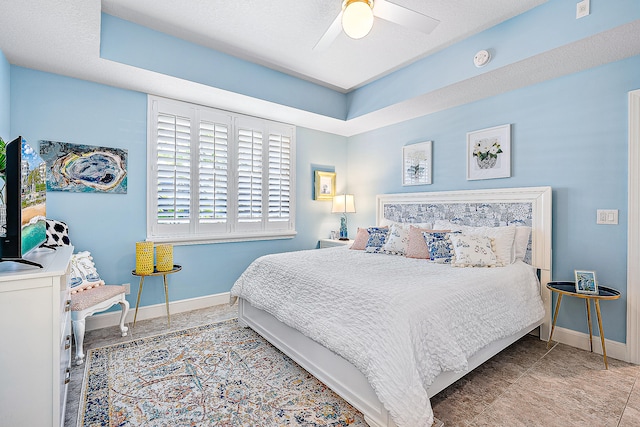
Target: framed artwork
83	168
416	164
325	185
489	153
586	282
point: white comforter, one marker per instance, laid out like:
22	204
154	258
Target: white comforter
400	321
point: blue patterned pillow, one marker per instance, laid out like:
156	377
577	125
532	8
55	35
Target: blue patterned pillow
440	247
377	239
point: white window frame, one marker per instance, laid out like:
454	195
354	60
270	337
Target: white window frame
231	230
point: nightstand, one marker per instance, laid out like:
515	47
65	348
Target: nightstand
330	243
569	288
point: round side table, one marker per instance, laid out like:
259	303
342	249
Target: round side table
164	274
569	288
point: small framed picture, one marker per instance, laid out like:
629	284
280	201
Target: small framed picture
416	164
489	153
325	185
586	282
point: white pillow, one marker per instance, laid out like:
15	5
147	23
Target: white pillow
521	241
504	238
443	224
384	222
397	240
406	225
472	251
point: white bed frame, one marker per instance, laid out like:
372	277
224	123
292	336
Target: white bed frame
344	378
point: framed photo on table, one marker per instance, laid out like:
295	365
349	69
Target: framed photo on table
586	282
325	185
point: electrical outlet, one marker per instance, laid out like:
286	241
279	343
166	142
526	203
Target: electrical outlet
582	9
127	288
607	216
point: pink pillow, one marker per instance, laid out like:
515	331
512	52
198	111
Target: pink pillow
417	247
360	242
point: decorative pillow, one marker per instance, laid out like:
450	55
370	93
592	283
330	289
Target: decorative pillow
57	233
397	240
377	239
472	251
439	246
83	272
504	239
521	241
417	247
360	242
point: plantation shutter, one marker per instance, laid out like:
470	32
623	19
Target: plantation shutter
213	172
216	176
279	194
250	182
173	171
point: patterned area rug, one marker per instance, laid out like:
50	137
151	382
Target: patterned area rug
219	374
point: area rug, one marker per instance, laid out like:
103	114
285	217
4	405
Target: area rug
213	375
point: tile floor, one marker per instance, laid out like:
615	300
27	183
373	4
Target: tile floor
525	385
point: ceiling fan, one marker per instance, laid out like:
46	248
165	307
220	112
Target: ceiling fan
356	19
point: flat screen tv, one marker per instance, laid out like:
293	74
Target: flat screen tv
26	192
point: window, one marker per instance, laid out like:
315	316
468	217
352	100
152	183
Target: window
217	176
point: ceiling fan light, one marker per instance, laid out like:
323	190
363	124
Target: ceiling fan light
357	18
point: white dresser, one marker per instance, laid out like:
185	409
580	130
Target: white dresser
35	339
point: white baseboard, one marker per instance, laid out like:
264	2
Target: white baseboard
112	318
615	349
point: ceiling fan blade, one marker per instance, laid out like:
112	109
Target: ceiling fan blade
330	35
402	16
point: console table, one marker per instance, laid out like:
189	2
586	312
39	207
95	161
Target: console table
35	338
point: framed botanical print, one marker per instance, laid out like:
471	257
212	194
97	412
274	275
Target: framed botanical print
489	153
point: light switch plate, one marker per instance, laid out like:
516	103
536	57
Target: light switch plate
582	9
127	288
607	216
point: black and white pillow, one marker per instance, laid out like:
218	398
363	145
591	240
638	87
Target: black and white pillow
57	233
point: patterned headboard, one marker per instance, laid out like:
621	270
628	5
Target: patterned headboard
472	214
493	207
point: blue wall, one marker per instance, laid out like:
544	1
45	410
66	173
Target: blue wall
49	106
509	42
569	133
5	101
133	44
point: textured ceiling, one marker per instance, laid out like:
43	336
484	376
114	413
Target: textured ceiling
281	34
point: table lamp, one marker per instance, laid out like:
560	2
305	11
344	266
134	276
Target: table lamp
343	204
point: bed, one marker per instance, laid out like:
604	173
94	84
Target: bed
372	342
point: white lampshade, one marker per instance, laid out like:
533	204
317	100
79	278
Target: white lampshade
344	203
357	18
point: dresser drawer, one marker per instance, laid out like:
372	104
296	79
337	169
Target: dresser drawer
65	365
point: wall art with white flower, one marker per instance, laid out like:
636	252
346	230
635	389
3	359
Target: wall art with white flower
416	164
489	153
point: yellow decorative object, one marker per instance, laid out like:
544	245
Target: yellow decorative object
164	257
144	257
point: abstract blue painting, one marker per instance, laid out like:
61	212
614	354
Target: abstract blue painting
83	168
